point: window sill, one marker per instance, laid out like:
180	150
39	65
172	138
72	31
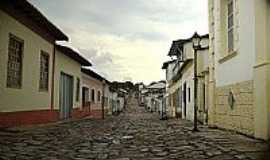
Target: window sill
227	57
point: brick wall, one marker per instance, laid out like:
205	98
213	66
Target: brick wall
240	117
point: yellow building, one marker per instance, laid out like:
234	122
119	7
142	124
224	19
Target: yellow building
31	65
239	66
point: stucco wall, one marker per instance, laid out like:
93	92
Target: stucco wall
188	79
169	72
95	84
262	69
239	67
64	64
28	97
240	117
188	50
171	91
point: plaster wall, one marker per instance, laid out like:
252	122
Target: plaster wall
187	78
95	84
262	69
66	65
28	97
238	68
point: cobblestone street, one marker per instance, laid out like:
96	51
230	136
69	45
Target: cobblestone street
134	134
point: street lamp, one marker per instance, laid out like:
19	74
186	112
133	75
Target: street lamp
196	39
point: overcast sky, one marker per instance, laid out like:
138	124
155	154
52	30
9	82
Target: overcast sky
126	39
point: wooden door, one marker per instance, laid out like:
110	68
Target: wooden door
65	96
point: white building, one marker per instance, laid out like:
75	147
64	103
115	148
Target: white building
239	66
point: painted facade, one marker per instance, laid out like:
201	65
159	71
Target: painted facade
239	66
17	105
66	65
180	89
170	88
153	96
94	83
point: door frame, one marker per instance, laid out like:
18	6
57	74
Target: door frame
185	99
71	96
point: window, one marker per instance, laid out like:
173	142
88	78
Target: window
78	85
99	96
14	68
93	95
230	25
44	71
189	94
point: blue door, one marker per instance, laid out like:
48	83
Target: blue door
65	96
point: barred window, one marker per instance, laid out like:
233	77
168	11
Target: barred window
14	68
230	25
44	71
78	85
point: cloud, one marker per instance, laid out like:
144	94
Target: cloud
127	38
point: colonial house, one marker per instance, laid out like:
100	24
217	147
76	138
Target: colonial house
170	88
122	99
113	101
141	87
154	96
95	93
180	89
67	83
239	66
27	64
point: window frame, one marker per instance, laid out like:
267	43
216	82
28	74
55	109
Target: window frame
78	86
46	54
230	25
189	94
21	42
99	96
93	95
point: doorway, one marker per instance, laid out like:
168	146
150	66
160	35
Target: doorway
85	96
66	96
185	99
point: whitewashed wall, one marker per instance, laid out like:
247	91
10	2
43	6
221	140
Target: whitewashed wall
240	67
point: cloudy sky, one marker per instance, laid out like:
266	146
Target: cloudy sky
126	39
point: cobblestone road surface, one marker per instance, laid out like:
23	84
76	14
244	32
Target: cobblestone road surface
135	134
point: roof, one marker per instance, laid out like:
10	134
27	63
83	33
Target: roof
159	85
122	90
93	74
30	12
144	91
166	64
178	44
73	55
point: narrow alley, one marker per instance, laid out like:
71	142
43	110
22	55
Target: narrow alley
134	134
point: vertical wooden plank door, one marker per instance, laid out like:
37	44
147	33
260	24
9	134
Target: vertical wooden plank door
66	96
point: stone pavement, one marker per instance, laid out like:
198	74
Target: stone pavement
134	134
